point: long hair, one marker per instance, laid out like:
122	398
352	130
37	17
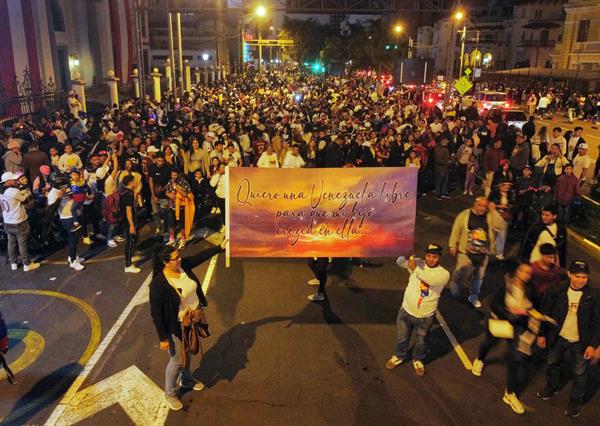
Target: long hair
162	255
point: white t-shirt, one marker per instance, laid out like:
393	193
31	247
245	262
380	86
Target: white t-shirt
233	159
424	288
580	162
570	329
293	162
11	204
186	287
544	238
217	181
268	161
66	203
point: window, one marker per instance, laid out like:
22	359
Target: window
584	31
58	20
523	36
544	38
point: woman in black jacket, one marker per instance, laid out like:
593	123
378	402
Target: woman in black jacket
174	290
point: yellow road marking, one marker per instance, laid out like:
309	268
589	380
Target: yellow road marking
94	320
34	346
457	347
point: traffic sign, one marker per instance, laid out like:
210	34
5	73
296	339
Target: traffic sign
463	85
468	72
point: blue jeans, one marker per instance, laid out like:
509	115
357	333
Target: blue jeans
465	269
174	368
441	183
73	237
574	353
406	324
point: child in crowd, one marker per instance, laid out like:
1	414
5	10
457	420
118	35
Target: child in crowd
413	160
79	190
472	169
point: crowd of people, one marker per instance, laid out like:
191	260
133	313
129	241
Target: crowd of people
98	180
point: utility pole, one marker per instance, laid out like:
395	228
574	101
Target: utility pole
180	51
140	47
172	53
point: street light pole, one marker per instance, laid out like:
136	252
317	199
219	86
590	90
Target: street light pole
180	50
450	60
172	53
462	50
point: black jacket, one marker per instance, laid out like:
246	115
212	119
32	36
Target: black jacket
532	236
164	300
588	316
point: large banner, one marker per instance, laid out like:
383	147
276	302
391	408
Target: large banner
349	212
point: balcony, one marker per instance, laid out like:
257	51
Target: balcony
587	47
538	43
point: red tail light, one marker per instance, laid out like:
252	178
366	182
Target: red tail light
430	100
506	105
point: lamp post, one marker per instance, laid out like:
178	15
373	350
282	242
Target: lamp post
261	12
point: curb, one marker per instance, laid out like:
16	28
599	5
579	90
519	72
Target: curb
584	241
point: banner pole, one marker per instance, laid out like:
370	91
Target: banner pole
227	215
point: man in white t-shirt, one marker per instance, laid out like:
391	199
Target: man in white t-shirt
581	162
293	159
425	284
575	339
16	224
556	137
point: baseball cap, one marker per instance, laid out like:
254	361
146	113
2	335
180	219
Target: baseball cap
433	248
584	146
579	267
6	176
152	148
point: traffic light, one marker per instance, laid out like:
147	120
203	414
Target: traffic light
396	46
317	67
387	47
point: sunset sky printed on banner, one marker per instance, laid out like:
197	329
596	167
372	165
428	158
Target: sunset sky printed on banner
290	212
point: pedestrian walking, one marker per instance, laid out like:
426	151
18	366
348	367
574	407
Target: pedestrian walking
472	241
421	297
318	266
129	211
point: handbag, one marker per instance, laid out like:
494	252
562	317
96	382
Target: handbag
194	326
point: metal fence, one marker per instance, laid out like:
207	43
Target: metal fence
25	97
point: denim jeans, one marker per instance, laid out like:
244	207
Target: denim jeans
18	235
73	237
406	324
574	353
564	214
174	369
465	268
441	183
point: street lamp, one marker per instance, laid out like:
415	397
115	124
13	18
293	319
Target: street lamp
398	29
261	12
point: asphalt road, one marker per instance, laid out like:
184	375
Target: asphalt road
273	358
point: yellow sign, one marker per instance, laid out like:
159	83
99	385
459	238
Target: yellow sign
265	42
463	85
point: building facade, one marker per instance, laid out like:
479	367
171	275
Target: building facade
537	27
579	48
50	42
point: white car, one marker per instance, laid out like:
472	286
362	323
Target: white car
487	100
514	117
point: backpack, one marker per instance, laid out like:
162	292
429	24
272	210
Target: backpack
111	209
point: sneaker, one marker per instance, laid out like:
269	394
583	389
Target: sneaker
317	297
314	281
546	393
111	243
14	266
512	400
470	192
477	367
132	269
475	302
119	239
500	256
465	192
30	266
76	227
197	386
573	409
174	403
419	368
393	362
76	265
446	196
87	241
100	237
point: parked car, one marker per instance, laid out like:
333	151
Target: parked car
515	117
486	100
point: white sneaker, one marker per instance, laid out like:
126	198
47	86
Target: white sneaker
132	269
464	192
476	303
76	265
477	367
500	256
80	259
111	243
314	281
393	362
30	267
119	239
512	400
470	192
14	266
317	297
87	241
174	403
197	386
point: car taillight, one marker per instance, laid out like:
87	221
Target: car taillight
430	100
506	105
